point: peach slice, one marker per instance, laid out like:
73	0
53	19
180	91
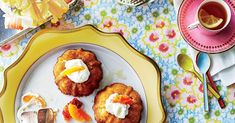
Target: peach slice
78	114
39	99
66	114
123	99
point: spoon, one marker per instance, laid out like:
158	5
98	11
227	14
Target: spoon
212	83
186	63
203	64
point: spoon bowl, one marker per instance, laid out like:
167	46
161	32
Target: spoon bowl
203	62
185	62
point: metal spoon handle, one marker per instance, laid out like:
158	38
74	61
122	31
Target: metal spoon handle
206	105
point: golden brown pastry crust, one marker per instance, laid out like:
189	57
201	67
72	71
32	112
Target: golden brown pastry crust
67	86
102	116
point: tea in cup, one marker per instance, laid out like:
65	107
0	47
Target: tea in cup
212	17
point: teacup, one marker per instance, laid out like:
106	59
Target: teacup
219	9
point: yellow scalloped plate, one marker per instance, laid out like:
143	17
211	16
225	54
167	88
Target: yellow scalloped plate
47	40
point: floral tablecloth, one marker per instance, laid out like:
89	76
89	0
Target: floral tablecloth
151	29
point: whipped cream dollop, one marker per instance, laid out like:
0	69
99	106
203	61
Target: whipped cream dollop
117	109
77	76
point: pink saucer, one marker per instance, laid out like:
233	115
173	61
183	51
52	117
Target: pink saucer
211	44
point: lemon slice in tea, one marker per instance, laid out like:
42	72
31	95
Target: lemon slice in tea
209	21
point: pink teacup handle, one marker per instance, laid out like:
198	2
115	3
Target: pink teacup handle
193	25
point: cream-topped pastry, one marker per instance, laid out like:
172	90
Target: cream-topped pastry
117	103
120	110
76	70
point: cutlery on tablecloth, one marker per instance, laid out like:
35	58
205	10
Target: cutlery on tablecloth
203	64
186	63
220	100
134	2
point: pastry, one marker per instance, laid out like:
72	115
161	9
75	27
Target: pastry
117	103
78	72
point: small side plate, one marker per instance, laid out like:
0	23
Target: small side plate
206	43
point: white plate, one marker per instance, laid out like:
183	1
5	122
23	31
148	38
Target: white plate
40	79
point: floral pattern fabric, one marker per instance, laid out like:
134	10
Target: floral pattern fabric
151	29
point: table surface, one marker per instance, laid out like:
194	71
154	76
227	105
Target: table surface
151	29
